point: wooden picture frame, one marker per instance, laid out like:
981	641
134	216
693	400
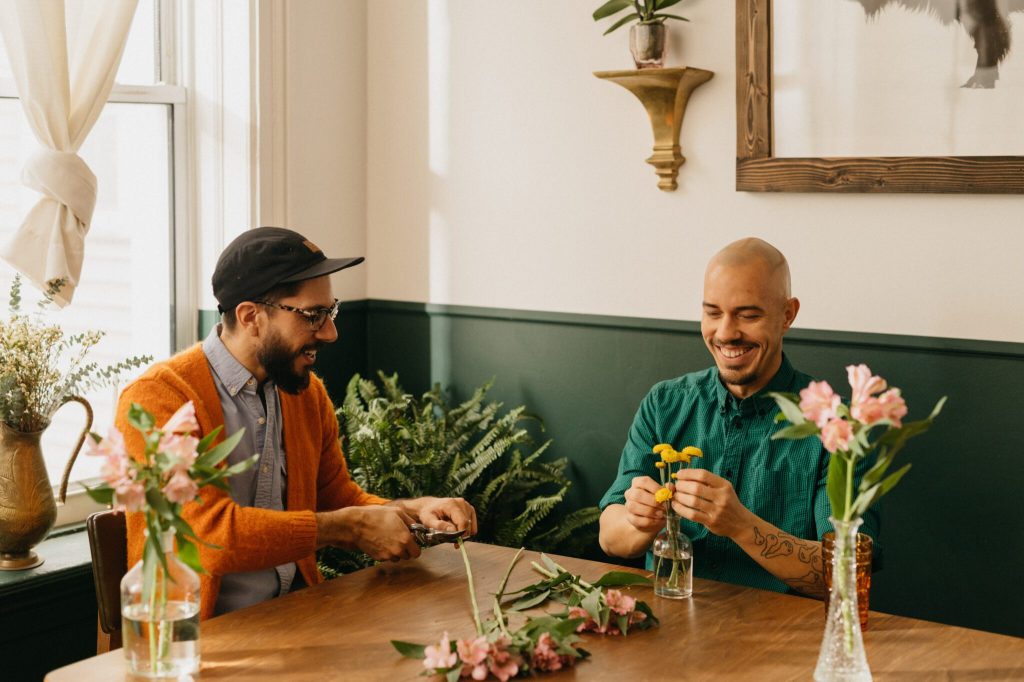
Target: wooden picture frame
759	170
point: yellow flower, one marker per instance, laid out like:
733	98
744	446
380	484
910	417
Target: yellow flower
663	495
689	452
660	465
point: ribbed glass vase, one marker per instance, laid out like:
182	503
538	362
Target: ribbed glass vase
842	657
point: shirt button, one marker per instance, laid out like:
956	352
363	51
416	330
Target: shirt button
250	382
714	565
261	420
266	468
736	422
233	390
728	473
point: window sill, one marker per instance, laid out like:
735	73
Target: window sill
65	555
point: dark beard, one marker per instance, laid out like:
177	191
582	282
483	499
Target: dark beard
279	364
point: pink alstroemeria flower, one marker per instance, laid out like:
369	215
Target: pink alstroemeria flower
818	402
620	603
441	656
473	653
836	435
863	383
110	446
129	495
588	622
181	488
894	408
182	448
182	421
545	657
500	661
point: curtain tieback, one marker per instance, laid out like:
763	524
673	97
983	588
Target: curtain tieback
64	177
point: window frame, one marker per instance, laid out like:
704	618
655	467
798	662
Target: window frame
183	312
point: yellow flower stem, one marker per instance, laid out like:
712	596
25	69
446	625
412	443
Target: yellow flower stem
472	590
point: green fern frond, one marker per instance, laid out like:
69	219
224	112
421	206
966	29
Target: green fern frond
514	533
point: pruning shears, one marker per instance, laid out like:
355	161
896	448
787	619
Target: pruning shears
428	537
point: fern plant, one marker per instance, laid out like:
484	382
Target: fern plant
398	445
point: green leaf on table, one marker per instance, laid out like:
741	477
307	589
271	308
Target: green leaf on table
592	605
623	623
650	621
408	649
454	674
530	600
620	578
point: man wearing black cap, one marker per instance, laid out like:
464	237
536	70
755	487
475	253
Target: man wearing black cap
253	371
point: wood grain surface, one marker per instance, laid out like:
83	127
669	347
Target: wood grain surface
340	630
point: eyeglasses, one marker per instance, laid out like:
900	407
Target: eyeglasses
316	317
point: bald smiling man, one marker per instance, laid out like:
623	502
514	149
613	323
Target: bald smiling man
754	508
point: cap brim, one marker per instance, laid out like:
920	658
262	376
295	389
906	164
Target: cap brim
324	267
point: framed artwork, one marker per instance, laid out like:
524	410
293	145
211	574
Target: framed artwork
880	96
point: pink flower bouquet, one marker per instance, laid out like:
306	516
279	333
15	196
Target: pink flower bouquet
174	467
872	421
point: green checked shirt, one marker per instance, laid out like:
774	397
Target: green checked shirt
782	481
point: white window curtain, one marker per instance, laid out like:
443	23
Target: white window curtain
62	97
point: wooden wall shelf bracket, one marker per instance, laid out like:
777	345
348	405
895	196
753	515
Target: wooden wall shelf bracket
664	94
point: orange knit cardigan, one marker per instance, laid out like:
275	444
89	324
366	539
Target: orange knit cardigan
250	538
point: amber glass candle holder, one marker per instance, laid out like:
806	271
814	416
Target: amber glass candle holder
863	572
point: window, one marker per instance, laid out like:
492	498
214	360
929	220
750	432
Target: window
135	267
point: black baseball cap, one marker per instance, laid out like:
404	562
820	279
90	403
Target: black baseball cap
262	258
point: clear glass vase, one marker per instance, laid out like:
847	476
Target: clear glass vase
673	562
160	621
842	657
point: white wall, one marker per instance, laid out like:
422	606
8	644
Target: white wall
501	173
323	43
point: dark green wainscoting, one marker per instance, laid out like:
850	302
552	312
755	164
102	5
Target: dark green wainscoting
48	613
953	530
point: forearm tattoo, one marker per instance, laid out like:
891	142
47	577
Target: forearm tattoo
811	577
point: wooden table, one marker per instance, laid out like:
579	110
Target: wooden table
340	630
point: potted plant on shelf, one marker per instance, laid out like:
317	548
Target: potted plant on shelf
647	36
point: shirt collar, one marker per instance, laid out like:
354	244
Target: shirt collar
229	370
760	401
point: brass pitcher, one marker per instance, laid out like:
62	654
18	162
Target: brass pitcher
27	507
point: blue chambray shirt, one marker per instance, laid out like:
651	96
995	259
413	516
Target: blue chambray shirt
263	485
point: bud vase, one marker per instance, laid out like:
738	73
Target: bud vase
673	562
160	615
842	657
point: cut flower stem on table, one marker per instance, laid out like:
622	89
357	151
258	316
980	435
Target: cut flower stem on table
545	642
